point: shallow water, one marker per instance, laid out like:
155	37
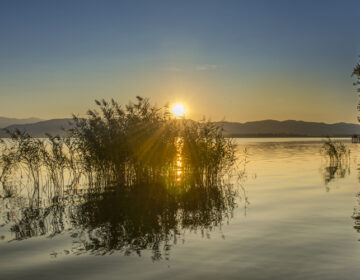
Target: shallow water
298	225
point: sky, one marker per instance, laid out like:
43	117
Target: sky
225	60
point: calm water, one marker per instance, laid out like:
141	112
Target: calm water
299	224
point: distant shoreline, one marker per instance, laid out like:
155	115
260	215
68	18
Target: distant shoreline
258	129
284	136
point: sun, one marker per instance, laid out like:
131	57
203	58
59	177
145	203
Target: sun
178	110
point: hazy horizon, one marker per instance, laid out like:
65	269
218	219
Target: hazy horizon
221	120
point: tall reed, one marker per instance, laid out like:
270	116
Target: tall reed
143	143
207	154
335	151
338	160
125	146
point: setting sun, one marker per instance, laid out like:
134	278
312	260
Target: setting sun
178	110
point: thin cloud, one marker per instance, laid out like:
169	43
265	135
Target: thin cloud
207	67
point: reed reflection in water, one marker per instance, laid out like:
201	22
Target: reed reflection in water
150	217
337	161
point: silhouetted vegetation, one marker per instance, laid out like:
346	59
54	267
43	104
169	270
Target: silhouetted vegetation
126	179
356	73
140	143
43	163
127	145
338	160
336	151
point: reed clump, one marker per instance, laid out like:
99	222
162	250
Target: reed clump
26	153
7	160
207	154
335	151
42	162
338	160
123	146
147	177
142	143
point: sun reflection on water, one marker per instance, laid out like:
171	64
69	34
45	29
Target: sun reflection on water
179	161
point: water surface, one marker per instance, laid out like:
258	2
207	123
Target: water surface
300	223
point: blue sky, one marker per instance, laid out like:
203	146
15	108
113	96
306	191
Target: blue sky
238	60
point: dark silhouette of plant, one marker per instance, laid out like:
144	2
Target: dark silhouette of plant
7	160
356	73
125	145
142	143
147	177
338	160
54	159
206	152
26	153
335	150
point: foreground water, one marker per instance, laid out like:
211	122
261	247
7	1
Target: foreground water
300	223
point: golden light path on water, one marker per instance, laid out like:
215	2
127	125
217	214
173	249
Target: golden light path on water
179	160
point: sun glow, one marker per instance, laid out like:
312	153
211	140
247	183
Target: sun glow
178	110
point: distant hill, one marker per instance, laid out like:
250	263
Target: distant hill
266	128
4	122
39	129
290	128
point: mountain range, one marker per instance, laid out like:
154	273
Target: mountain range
39	129
4	122
289	128
265	128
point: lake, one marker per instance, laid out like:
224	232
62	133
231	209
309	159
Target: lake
292	217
